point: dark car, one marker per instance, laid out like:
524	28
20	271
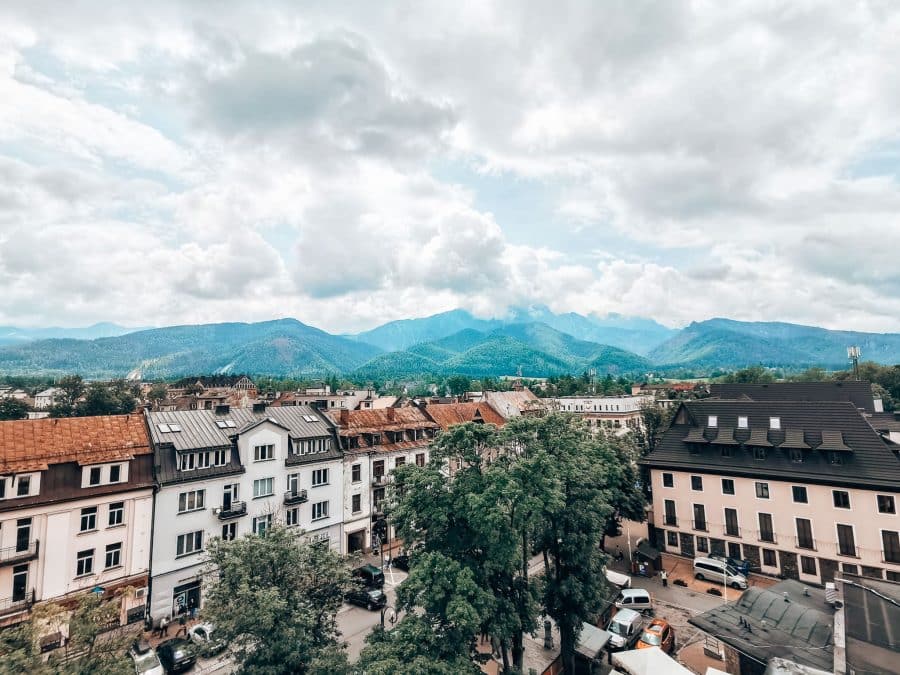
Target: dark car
370	576
370	598
177	655
400	562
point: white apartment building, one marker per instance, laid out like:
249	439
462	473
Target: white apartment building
76	501
231	472
376	442
47	398
615	413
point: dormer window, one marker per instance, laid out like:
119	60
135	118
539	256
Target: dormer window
759	453
743	422
726	451
95	476
713	421
796	456
835	458
775	423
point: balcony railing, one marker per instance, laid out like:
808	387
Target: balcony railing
847	550
731	531
294	497
10	606
380	480
700	525
805	542
671	521
890	557
12	555
236	510
766	536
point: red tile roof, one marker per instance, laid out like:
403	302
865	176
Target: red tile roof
32	445
353	422
450	414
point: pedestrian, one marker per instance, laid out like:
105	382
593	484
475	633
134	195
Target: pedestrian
192	609
664	577
182	621
164	627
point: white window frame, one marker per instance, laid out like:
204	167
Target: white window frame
195	539
320	508
775	423
712	421
120	509
733	487
806	493
191	500
259	483
90	518
893	501
693	489
320	477
768	490
662	480
264	520
292	516
84	564
116	550
264	453
743	422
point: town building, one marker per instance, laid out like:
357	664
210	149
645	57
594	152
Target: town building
47	398
200	395
375	442
800	489
448	415
76	504
518	402
233	471
619	414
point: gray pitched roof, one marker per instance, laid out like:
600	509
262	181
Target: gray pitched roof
764	625
871	623
858	393
870	462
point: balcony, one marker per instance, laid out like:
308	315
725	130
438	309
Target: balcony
807	543
731	531
380	480
379	508
846	549
10	606
892	556
236	510
294	497
766	536
13	555
671	521
700	525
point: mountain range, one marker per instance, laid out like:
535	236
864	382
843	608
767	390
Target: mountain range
11	335
535	340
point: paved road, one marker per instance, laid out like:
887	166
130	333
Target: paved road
355	623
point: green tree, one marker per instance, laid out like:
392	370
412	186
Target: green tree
458	384
13	409
19	652
158	393
751	375
274	600
73	389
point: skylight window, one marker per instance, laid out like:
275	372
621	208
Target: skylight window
713	421
774	422
163	428
309	418
225	424
175	428
743	422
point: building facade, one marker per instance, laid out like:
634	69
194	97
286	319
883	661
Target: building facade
230	472
618	414
800	489
76	503
375	442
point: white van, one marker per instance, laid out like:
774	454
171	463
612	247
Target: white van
718	571
637	599
625	628
617	579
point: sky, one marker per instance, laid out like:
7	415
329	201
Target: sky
352	163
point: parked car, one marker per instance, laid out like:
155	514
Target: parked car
625	627
658	634
718	571
146	662
370	598
637	599
617	578
401	562
369	575
177	655
202	635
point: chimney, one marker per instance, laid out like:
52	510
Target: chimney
345	417
259	407
222	409
391	414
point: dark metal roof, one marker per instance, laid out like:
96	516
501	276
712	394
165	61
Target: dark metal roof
788	620
870	463
725	436
871	623
858	393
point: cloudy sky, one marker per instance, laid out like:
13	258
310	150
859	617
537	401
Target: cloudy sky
191	162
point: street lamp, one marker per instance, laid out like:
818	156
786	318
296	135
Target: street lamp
391	614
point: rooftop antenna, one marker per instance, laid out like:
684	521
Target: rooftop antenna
592	373
853	355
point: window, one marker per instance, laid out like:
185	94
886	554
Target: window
796	455
229	531
23	534
731	523
84	563
94	478
713	421
192	542
378	468
319	477
292	516
846	540
891	542
420	459
319	510
20	583
804	534
743	422
766	528
263	453
668	480
891	575
847	568
193	500
226	424
841	499
697	483
399	461
762	490
202	460
356	503
263	487
2	488
116	513
113	555
807	565
759	453
700	517
670	513
886	504
775	423
800	496
769	557
672	539
115	473
356	473
220	458
835	458
88	519
262	523
23	487
734	550
727	486
188	462
703	544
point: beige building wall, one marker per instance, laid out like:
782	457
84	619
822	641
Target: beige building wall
862	516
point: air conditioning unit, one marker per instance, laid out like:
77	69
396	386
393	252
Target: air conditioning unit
216	511
140	592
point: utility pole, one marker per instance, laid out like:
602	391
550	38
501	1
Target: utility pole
853	355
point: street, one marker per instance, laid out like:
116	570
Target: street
355	623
